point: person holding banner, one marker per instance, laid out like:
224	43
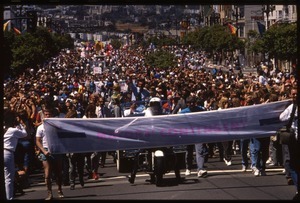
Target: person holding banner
155	108
227	145
259	147
200	148
76	160
51	162
294	143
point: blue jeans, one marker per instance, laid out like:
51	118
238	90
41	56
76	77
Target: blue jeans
201	152
286	160
259	151
244	145
254	152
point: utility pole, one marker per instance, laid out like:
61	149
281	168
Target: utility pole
20	13
201	17
31	21
237	15
267	9
176	25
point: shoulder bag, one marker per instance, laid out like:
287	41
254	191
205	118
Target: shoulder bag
285	132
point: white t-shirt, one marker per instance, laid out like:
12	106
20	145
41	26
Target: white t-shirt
40	132
262	80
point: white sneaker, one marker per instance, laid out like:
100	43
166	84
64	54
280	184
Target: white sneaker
188	172
228	163
269	160
244	168
202	173
256	172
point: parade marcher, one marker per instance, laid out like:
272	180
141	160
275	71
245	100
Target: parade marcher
259	149
244	143
14	129
294	143
92	158
25	148
200	148
102	111
227	145
115	101
76	160
139	92
52	163
181	101
155	108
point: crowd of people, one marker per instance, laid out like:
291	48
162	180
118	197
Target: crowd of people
86	83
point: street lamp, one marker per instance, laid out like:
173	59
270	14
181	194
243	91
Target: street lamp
20	13
267	9
32	19
201	18
237	15
212	18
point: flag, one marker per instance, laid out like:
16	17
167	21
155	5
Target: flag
232	28
261	28
18	32
5	25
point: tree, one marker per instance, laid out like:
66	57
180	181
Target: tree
216	38
254	42
9	38
116	44
161	59
280	41
32	49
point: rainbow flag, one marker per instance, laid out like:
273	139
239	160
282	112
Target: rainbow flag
18	32
232	28
5	25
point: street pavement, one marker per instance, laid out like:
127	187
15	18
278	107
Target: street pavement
222	183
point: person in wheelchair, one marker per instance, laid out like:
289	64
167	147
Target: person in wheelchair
155	108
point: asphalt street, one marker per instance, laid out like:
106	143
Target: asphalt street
222	183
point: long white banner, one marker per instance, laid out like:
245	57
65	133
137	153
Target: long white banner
66	135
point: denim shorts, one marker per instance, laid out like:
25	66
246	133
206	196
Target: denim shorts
43	157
